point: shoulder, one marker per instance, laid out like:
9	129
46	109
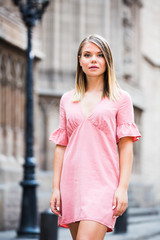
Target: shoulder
124	94
67	96
124	98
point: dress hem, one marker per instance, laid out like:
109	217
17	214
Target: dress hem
65	225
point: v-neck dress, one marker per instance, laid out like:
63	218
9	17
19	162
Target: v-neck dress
90	172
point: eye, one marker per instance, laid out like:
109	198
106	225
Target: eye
100	55
87	55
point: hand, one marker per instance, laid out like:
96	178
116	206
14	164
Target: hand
55	202
120	201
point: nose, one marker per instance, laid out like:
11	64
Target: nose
93	59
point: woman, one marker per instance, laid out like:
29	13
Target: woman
91	177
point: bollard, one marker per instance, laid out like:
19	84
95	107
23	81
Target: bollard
49	226
121	224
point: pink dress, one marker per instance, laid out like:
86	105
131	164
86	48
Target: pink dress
90	172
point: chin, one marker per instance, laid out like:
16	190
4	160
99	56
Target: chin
94	74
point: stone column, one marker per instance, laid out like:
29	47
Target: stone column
0	104
107	19
116	35
131	40
20	109
57	39
48	111
9	110
82	19
3	102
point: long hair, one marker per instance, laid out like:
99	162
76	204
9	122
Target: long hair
111	87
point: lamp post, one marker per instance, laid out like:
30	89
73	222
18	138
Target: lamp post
31	11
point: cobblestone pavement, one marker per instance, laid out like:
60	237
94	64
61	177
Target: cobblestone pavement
140	228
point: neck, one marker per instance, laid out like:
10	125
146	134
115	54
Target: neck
95	84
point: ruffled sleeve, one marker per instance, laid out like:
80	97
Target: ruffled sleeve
60	136
126	126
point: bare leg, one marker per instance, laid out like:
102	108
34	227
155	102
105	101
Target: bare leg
91	230
73	227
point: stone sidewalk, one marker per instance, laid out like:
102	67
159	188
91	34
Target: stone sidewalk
140	227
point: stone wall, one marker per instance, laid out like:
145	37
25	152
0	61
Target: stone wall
150	66
12	93
12	110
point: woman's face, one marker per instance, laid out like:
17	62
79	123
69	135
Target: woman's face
92	60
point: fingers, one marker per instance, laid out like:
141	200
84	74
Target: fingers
114	202
58	205
121	200
55	206
55	209
121	208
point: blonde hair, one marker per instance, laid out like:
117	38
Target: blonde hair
111	87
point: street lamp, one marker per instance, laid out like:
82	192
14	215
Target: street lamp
31	12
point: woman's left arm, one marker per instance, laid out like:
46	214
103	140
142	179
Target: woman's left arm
125	149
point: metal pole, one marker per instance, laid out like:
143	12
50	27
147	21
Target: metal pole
29	217
31	11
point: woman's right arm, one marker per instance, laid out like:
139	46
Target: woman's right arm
57	169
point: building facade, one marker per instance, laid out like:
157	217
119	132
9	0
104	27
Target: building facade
132	29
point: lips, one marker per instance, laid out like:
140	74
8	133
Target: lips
93	67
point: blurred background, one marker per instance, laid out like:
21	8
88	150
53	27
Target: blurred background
132	28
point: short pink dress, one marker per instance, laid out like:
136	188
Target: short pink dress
90	172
